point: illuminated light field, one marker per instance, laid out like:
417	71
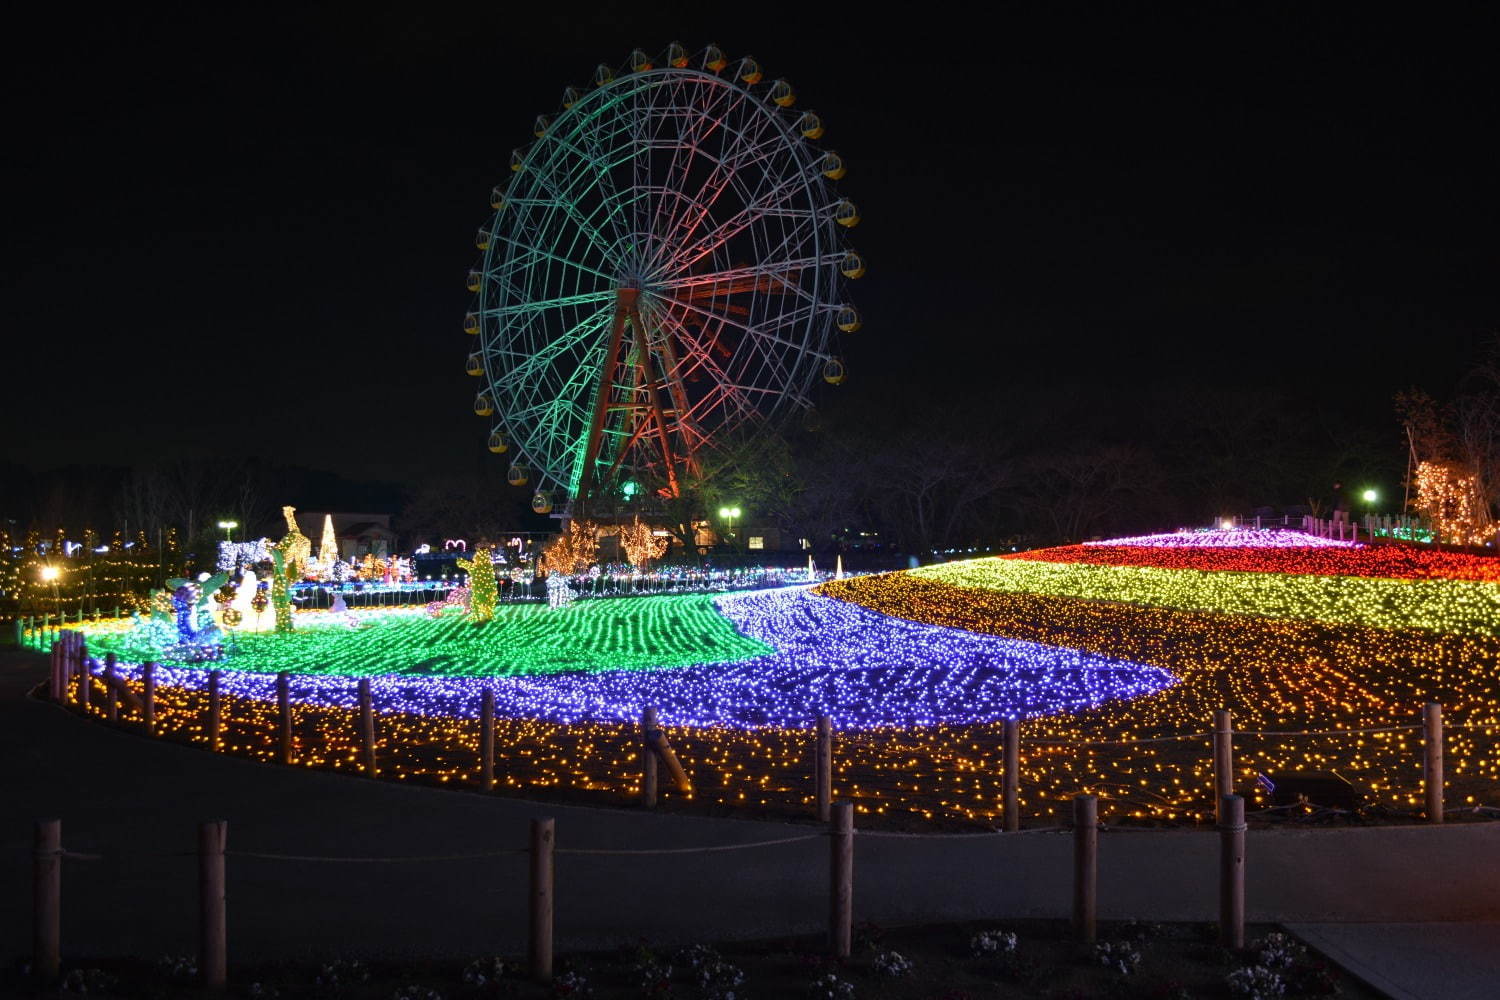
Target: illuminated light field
1456	607
606	634
1397	562
1228	538
865	669
1105	687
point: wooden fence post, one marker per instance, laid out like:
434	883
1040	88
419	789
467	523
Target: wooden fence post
215	709
1010	803
543	841
284	713
1432	759
212	927
54	689
85	680
823	769
1223	760
148	696
487	738
366	727
649	767
111	698
1085	867
1232	872
46	868
20	633
841	881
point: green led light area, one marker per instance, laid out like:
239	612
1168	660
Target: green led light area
610	634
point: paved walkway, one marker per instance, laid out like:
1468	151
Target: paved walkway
137	802
1433	961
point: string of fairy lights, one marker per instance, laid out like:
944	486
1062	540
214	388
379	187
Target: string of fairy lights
902	662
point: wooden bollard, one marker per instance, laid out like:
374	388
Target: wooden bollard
55	686
111	699
657	740
20	633
85	680
366	727
543	841
823	769
1085	867
487	738
1232	872
1010	787
212	926
1432	759
215	708
46	869
148	696
841	880
1223	760
649	769
284	713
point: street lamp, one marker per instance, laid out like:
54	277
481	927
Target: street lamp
49	575
729	514
228	526
1370	496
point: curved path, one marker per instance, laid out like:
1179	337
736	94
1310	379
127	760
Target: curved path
137	802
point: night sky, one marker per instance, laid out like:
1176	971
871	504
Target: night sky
251	233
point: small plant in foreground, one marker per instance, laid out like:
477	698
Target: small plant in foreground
178	969
262	991
991	944
892	963
416	993
342	973
88	981
652	975
717	980
1255	982
485	972
830	987
1278	952
1118	955
571	984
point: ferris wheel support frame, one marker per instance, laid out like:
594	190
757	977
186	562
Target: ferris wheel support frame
627	311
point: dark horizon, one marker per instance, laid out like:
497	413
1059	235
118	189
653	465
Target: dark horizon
251	237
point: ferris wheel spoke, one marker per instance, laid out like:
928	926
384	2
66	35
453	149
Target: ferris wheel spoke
699	206
540	254
786	319
741	220
583	298
533	363
561	202
735	275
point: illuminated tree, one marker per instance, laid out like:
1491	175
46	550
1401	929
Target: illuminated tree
482	595
641	545
574	550
328	547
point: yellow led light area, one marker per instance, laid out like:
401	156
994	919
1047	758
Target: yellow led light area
1457	607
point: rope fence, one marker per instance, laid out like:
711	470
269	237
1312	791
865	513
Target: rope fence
48	855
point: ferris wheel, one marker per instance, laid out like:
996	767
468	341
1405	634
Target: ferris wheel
665	269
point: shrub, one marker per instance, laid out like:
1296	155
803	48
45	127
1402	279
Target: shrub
1255	982
1118	955
892	963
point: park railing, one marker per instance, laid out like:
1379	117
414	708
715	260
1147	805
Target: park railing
541	853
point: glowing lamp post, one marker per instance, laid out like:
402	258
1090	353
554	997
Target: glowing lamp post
1370	497
228	526
729	514
49	575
